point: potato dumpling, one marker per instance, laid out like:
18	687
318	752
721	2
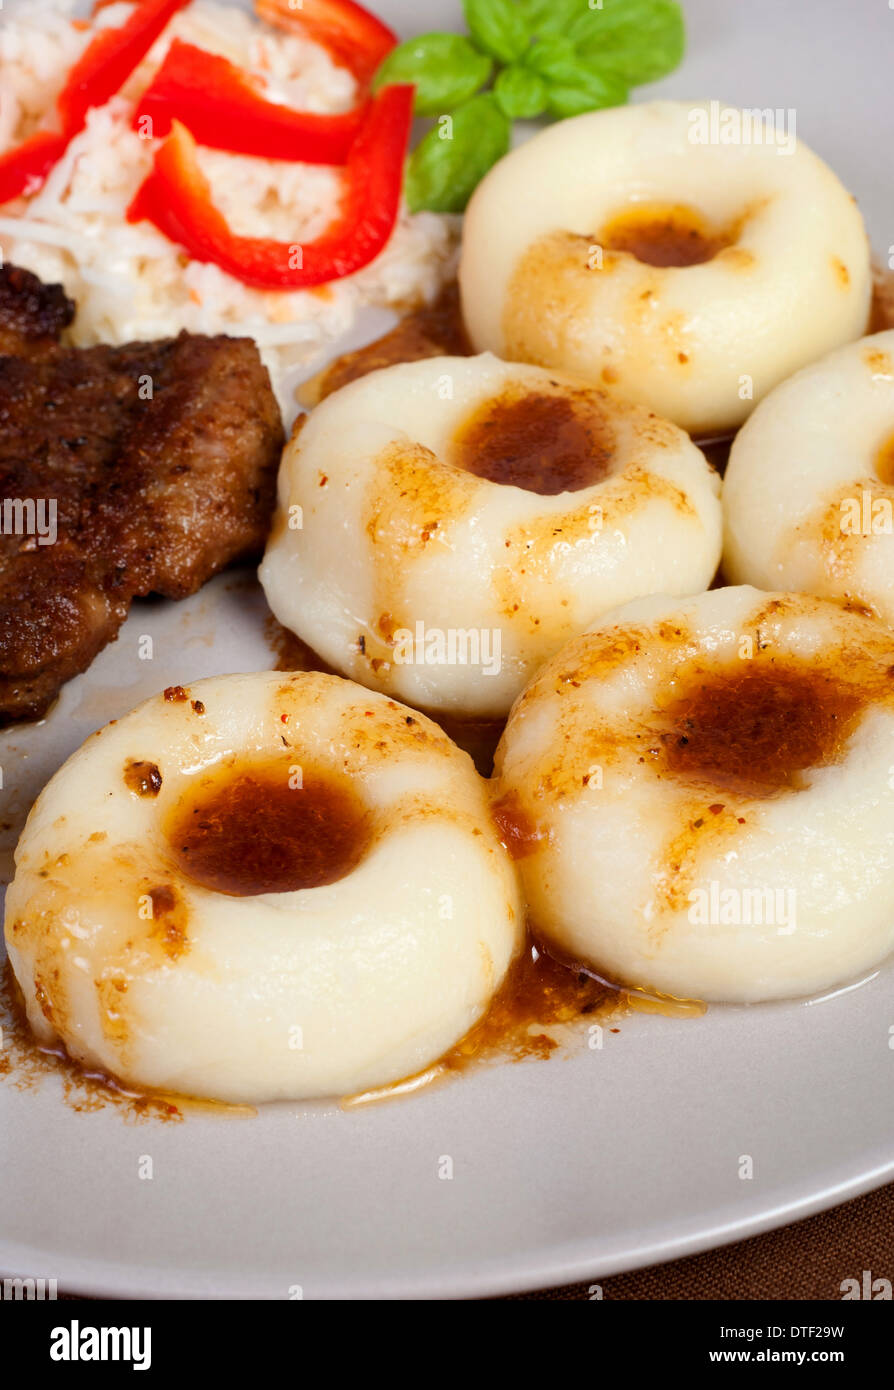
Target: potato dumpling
264	887
700	796
445	525
808	497
681	253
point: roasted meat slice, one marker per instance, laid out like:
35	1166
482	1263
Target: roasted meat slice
124	471
435	330
32	314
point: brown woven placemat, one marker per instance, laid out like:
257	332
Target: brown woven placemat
808	1260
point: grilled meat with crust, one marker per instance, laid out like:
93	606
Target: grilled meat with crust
157	464
32	314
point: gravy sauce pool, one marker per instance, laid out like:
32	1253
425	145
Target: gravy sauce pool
543	443
537	1013
269	827
665	235
755	730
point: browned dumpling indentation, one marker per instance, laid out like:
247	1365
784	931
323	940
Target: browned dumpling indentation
540	441
262	828
544	442
666	235
757	727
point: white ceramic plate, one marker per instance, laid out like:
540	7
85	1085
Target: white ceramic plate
562	1170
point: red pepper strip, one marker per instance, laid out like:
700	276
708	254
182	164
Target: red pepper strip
176	197
24	168
110	58
223	107
351	34
103	67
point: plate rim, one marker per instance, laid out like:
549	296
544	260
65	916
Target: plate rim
142	1282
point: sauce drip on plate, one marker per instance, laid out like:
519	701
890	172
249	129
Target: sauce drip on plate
25	1064
538	1013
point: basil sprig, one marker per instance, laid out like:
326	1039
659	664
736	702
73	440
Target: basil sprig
561	57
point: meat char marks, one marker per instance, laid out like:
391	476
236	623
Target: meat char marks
124	471
32	314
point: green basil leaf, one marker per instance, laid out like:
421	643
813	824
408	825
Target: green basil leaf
446	70
554	58
520	92
498	27
590	91
574	84
454	156
640	40
550	16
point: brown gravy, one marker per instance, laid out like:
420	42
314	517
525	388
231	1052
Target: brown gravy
477	737
538	992
756	728
659	235
268	827
540	442
517	830
142	777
